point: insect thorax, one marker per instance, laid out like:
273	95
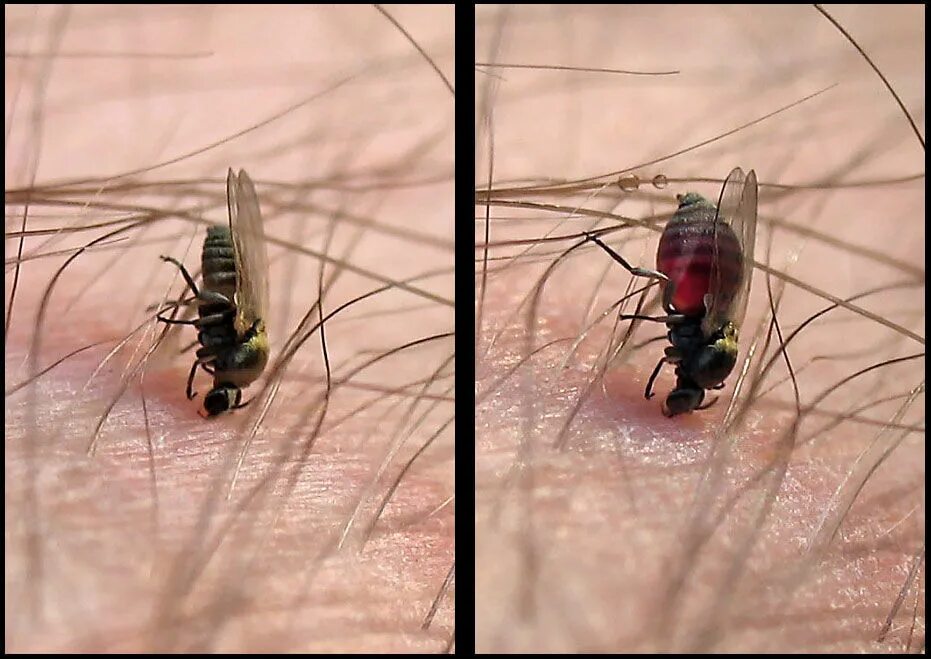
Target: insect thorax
242	363
706	361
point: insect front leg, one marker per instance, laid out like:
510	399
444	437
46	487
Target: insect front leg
204	357
184	273
190	282
675	318
648	393
649	341
172	321
208	297
174	304
637	272
188	390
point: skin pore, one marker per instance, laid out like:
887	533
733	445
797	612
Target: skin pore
794	522
320	517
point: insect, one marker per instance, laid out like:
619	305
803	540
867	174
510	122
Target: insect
232	300
704	263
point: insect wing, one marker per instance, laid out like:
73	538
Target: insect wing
736	209
249	245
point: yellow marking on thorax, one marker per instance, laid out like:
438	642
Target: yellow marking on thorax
254	353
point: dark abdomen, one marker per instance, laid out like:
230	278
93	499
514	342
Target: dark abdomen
218	262
218	268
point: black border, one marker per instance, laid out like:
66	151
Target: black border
465	330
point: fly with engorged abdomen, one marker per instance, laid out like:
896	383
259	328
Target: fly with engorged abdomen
231	302
704	263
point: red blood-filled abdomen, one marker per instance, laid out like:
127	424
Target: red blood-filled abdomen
686	255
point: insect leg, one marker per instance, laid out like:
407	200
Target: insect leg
649	341
638	272
648	393
174	304
184	273
170	321
675	318
201	360
187	347
210	297
190	382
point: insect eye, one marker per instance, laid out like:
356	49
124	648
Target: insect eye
217	401
680	401
689	198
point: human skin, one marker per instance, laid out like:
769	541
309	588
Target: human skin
136	547
603	526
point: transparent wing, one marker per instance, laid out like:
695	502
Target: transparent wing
248	234
737	211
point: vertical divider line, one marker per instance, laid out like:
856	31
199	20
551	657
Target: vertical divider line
465	328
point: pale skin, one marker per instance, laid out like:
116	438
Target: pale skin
603	526
136	547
